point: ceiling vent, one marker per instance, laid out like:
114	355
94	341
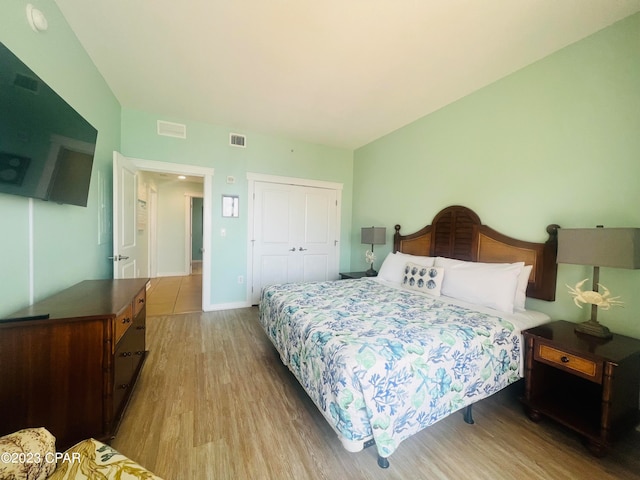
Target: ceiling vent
169	129
237	140
28	83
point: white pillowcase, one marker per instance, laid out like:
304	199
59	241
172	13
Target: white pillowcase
423	279
491	285
521	289
392	269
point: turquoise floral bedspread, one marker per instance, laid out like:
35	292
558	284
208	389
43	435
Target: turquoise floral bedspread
385	363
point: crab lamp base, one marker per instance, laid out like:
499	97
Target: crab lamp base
594	329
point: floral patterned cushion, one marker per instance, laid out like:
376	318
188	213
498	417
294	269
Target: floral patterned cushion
27	454
91	459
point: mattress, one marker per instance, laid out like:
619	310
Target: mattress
382	363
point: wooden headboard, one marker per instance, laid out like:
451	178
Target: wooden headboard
456	232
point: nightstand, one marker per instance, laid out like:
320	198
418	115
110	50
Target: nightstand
346	275
586	383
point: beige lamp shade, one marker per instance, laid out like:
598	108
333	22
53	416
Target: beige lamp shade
601	247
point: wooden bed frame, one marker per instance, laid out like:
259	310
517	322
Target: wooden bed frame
456	232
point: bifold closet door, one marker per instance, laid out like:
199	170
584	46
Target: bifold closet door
295	231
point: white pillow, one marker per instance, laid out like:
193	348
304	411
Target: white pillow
423	279
521	289
491	285
392	269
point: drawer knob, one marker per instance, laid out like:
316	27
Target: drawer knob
141	300
564	359
126	320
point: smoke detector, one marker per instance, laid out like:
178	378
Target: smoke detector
37	20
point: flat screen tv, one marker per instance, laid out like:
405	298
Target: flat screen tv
46	147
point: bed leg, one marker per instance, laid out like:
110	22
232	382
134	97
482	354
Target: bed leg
383	462
467	414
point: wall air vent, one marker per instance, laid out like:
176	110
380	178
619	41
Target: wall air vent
28	83
169	129
237	140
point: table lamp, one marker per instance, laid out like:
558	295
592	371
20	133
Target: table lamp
372	236
600	247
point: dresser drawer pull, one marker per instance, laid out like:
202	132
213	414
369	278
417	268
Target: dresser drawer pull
123	386
564	359
141	300
140	327
126	320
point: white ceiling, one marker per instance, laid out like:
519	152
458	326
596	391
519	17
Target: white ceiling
334	72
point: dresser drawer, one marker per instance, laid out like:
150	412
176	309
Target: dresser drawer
566	361
139	302
123	322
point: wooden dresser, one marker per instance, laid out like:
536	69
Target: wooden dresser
74	371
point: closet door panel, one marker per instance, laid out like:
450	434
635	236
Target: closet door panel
294	235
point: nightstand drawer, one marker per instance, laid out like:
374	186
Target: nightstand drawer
572	363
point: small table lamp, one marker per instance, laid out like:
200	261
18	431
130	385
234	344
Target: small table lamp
600	247
372	236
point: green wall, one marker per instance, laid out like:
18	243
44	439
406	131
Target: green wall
208	146
67	247
70	243
556	142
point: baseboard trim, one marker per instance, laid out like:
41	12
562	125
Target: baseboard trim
227	306
172	274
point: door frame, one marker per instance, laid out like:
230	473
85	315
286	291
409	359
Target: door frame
207	174
252	179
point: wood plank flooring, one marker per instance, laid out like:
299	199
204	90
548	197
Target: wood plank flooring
214	402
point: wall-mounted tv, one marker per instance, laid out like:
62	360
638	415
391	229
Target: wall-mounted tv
46	147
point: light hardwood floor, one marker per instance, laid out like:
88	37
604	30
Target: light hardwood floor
214	402
171	295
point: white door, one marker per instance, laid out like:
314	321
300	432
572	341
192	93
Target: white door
294	235
125	185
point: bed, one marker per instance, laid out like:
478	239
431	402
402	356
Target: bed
438	329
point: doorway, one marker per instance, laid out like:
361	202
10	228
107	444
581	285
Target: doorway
193	233
176	238
135	166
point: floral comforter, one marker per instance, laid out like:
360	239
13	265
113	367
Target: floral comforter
383	362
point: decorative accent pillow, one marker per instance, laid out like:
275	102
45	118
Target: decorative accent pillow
392	269
423	279
490	285
98	460
33	450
